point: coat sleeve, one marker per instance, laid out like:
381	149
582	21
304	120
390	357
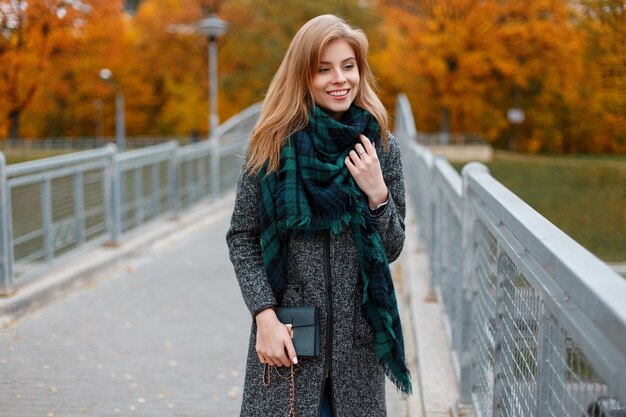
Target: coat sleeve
244	245
391	221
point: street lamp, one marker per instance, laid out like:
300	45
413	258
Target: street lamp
213	27
515	117
120	128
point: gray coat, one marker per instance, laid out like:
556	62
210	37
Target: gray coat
358	384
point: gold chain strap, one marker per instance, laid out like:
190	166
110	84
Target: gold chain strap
267	379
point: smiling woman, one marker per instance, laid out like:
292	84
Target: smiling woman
318	216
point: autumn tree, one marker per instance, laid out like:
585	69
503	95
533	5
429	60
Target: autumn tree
74	98
31	34
468	61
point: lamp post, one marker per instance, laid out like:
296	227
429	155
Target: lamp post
515	117
213	27
120	128
97	104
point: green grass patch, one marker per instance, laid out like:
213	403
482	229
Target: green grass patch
583	196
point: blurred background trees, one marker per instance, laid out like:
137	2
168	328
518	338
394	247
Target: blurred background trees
463	64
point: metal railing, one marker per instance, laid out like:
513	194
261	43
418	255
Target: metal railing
536	324
56	207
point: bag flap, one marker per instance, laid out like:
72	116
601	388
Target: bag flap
297	316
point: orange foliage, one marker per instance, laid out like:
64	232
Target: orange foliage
561	62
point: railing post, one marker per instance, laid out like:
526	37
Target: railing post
501	309
113	197
552	369
190	185
79	206
215	168
6	232
468	245
46	219
138	198
175	194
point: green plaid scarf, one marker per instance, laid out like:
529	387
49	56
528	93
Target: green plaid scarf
314	191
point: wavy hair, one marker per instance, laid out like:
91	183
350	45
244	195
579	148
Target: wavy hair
289	100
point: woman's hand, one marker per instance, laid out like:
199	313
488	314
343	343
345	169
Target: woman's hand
362	162
273	343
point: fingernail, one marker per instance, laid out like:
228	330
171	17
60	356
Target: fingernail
295	360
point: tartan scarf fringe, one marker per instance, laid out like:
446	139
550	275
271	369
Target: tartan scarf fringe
312	192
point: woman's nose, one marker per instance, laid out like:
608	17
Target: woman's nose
339	77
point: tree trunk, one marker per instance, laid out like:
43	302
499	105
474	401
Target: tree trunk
444	135
14	125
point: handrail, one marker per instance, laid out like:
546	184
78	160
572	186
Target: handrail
52	162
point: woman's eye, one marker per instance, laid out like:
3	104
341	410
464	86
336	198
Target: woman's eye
349	66
324	69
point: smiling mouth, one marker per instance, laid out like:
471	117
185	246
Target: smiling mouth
338	93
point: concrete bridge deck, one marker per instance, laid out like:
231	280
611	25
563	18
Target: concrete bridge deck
146	333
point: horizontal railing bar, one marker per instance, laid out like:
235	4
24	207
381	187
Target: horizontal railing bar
55	174
52	162
28	236
41	254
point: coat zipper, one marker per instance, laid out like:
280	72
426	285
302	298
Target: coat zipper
329	322
329	305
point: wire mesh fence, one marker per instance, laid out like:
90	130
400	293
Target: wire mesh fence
536	324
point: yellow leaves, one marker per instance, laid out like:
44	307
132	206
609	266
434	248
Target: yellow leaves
476	59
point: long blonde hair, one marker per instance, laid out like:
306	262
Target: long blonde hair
288	100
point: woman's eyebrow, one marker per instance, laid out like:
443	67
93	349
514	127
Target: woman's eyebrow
347	59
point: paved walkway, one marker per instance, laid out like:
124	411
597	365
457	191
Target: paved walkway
149	337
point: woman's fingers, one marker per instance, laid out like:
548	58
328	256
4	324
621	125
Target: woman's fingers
278	359
364	151
360	150
368	145
274	346
291	352
354	157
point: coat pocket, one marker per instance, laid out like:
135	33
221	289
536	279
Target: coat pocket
293	295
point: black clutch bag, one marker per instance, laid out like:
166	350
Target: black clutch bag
304	328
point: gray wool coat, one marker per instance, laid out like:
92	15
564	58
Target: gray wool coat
321	271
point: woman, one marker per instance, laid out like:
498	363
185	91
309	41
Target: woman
318	215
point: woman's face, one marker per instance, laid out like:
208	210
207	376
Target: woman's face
336	81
